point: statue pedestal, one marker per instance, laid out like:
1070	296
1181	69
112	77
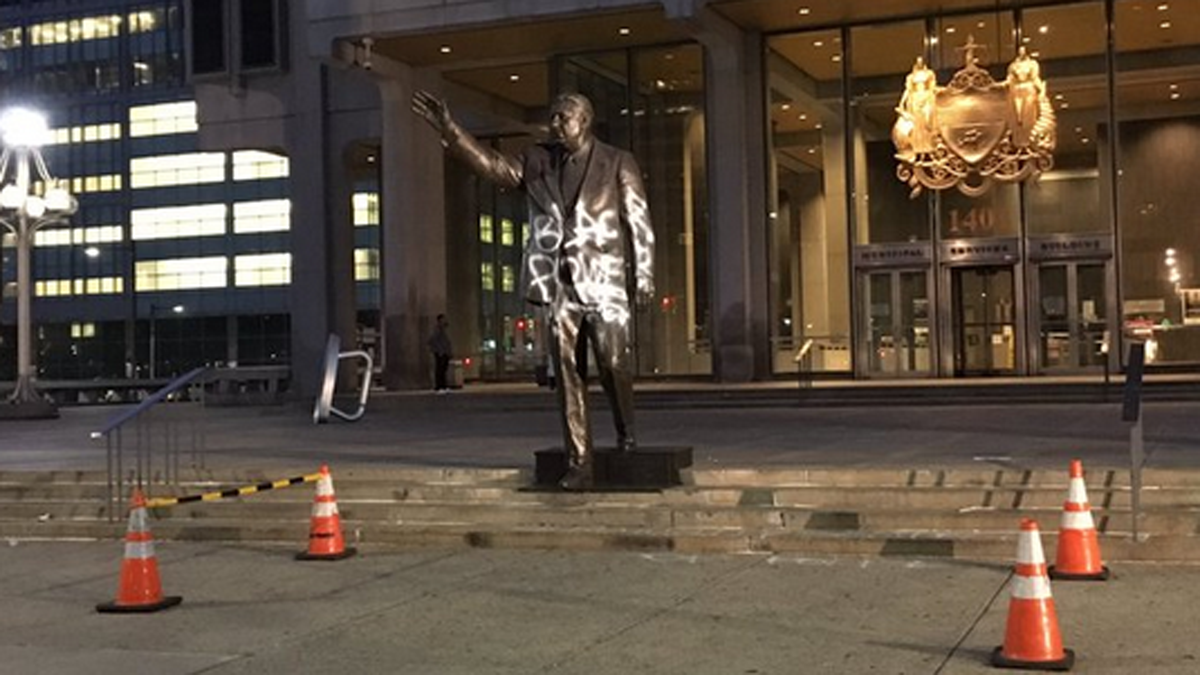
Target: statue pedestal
647	467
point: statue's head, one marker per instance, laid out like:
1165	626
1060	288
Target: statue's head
571	117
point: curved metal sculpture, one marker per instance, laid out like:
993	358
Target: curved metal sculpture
974	130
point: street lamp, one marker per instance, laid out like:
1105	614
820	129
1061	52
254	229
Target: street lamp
23	212
154	310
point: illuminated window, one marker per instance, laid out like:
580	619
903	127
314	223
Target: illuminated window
105	183
146	21
508	279
262	269
271	215
366	264
173	222
90	133
487	276
258	165
163	118
524	233
10	38
506	232
188	169
181	273
49	288
76	30
83	331
67	236
366	208
485	230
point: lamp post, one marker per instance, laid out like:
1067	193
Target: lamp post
23	212
154	309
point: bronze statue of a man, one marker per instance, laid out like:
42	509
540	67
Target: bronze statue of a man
588	215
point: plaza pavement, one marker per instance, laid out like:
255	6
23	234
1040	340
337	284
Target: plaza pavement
501	426
482	612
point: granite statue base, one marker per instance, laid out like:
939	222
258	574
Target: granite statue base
646	468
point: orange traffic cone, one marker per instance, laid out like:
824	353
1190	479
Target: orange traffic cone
1078	556
141	589
325	540
1031	638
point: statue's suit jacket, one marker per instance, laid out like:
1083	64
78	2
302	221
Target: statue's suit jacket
595	244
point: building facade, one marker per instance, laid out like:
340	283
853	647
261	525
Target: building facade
763	128
178	256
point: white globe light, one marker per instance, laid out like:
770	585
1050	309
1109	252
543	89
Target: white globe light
35	207
59	200
11	197
23	128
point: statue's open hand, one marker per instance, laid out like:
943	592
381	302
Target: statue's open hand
433	109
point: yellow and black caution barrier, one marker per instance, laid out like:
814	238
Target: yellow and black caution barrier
158	502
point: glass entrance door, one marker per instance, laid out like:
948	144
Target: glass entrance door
1072	315
897	307
984	320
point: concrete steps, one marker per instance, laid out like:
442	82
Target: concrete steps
949	512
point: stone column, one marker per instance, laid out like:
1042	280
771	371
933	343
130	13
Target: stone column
737	192
412	236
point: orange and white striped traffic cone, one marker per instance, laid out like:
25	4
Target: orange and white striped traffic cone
1078	556
1031	637
140	588
325	541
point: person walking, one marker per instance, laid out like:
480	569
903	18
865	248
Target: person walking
439	345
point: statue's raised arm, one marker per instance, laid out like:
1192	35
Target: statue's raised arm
490	164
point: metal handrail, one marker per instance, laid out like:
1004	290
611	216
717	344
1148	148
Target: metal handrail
113	430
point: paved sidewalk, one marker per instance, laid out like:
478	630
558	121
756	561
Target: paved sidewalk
483	612
499	427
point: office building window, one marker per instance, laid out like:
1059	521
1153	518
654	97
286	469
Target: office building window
270	215
90	133
487	276
485	229
69	236
366	208
177	274
366	264
262	269
48	288
173	222
83	331
103	183
507	233
166	170
258	165
163	118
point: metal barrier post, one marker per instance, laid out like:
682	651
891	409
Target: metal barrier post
1131	412
324	405
803	361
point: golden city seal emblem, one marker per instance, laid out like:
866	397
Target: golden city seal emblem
974	130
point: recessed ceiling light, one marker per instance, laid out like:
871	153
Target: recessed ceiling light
933	40
1085	140
1174	86
624	30
812	151
818	43
1079	130
514	78
1035	54
803	117
817	125
1162	7
1165	25
803	11
1175	96
951	30
1026	40
445	49
1059	97
1065	105
1043	29
981	24
835	58
786	106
